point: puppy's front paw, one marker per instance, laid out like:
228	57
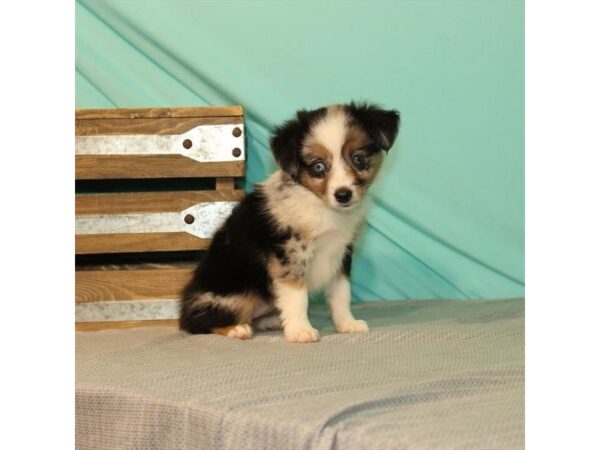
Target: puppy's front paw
301	334
352	326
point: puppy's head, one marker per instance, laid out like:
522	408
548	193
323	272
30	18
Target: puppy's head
335	151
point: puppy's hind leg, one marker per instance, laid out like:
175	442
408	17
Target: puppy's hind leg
271	321
241	331
203	313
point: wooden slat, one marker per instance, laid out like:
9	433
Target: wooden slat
134	113
137	242
115	285
150	202
96	326
225	184
167	126
99	167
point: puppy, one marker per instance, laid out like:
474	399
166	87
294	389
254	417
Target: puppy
294	233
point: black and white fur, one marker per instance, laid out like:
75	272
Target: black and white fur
294	234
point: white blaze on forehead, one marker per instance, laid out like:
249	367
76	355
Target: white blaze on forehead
330	132
339	177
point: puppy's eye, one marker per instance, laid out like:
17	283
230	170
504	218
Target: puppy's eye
359	161
318	169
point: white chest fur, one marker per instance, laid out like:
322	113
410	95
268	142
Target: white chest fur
326	261
326	231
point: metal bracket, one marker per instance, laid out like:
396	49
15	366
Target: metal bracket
204	143
206	219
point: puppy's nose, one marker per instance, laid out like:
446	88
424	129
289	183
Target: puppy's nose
343	195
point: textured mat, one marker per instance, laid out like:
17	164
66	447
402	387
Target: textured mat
429	375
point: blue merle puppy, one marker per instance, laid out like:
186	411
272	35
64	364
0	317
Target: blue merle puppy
294	234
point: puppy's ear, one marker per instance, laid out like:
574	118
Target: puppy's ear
380	124
288	138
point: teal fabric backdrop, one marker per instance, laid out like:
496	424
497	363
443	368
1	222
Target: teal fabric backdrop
448	210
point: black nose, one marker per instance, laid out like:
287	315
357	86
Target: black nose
343	195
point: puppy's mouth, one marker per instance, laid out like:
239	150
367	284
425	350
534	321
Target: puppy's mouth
344	206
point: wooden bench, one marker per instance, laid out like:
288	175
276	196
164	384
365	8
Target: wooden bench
144	166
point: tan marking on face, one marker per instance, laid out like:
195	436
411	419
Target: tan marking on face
355	140
313	151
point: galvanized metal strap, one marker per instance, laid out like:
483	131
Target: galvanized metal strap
115	311
203	220
204	143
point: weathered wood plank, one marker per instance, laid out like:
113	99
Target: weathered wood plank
150	202
225	185
96	326
137	242
135	113
100	167
166	126
143	284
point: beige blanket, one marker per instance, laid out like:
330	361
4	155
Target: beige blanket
429	375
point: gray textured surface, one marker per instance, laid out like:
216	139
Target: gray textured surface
429	375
